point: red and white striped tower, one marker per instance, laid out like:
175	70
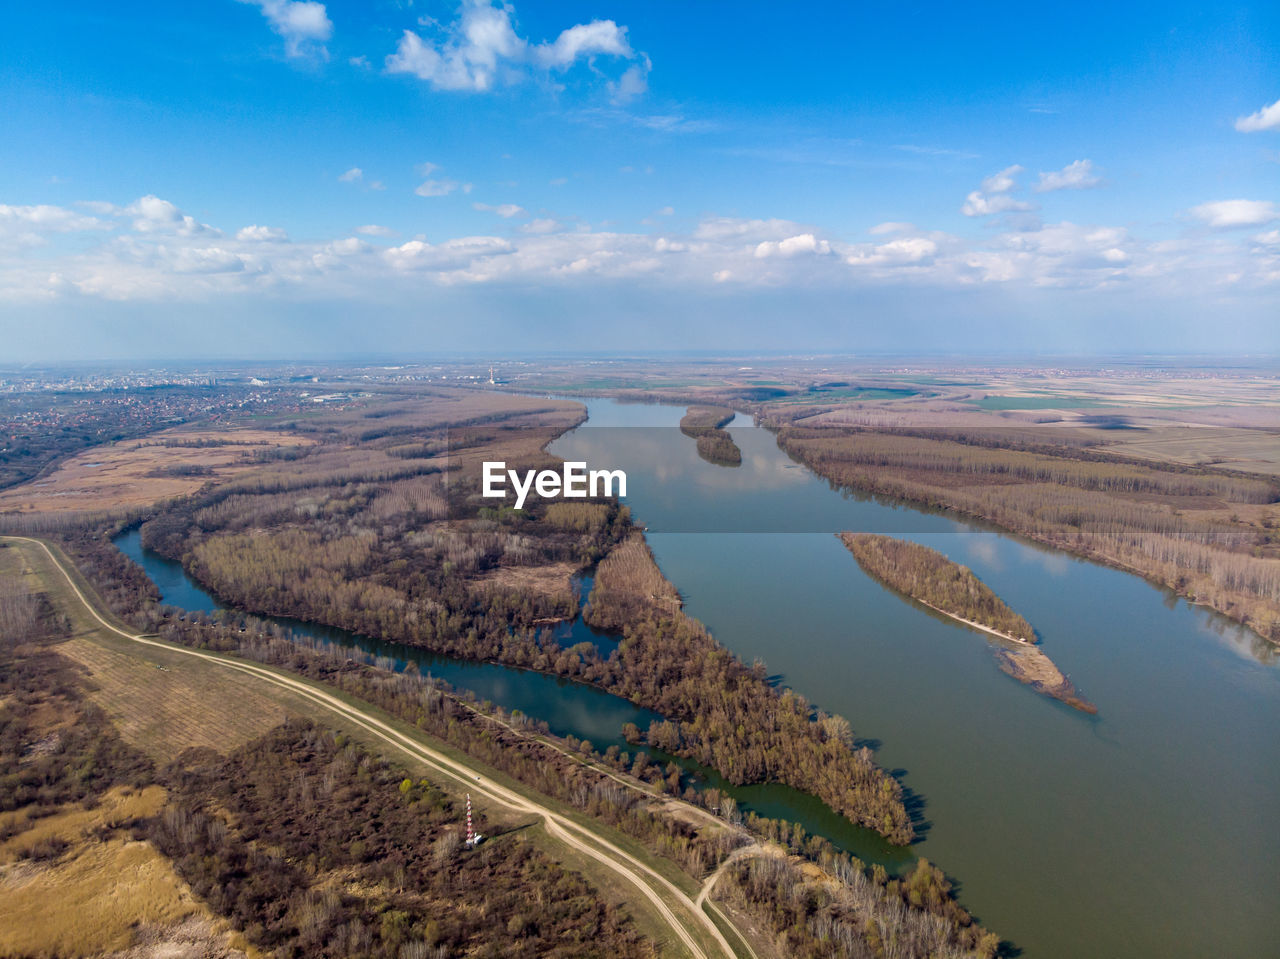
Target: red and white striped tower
471	833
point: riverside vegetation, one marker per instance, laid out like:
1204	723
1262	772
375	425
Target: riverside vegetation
927	576
1210	535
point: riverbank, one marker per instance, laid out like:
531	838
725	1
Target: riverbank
1204	534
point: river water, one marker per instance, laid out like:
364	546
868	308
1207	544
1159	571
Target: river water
1146	831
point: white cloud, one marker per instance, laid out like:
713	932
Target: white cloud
262	234
584	40
992	197
1002	182
436	187
354	175
211	259
792	245
304	25
892	226
169	257
30	226
1268	118
154	215
540	225
633	83
44	218
1079	175
481	50
426	169
1228	214
504	210
905	251
977	204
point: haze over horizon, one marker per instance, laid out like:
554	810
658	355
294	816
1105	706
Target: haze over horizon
272	178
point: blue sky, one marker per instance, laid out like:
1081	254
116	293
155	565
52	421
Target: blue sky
280	178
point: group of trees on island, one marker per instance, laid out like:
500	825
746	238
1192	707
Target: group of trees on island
928	576
705	424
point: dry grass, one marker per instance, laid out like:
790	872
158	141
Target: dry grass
90	900
142	471
76	823
550	580
164	710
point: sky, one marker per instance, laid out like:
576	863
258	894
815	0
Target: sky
274	178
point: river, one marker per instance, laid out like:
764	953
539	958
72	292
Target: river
1141	832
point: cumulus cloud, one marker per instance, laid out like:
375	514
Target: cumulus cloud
993	195
154	215
584	40
1079	175
373	229
1268	118
43	218
978	204
482	49
304	25
1229	214
792	245
210	259
168	257
908	250
354	175
262	234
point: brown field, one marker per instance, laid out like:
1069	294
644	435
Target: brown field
74	823
143	471
163	710
99	894
91	900
550	580
1249	450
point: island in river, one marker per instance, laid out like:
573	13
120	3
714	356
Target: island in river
706	425
929	578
